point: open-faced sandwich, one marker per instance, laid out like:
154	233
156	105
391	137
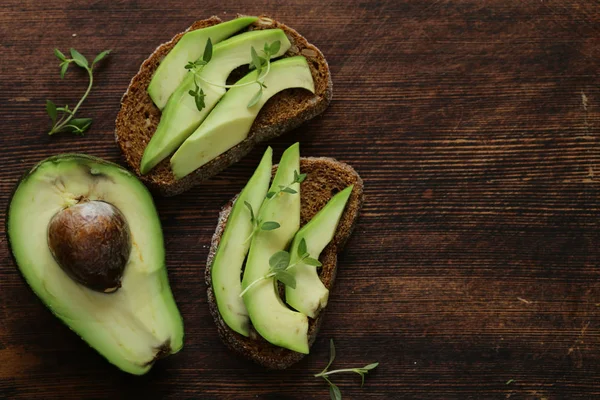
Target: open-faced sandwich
201	101
273	257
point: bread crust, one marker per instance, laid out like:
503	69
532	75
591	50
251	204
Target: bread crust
138	117
325	177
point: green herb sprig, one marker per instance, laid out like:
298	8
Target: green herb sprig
279	264
334	391
298	178
257	224
195	67
67	122
262	64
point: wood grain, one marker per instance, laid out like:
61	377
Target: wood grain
475	126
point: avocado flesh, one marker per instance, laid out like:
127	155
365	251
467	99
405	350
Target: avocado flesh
181	117
230	121
227	265
271	318
310	295
130	327
190	47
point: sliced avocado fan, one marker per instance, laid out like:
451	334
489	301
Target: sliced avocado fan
181	116
231	119
271	318
86	237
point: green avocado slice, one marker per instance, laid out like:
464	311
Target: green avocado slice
310	295
181	117
139	322
227	264
230	121
171	71
271	318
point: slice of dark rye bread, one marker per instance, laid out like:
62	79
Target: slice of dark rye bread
325	178
138	118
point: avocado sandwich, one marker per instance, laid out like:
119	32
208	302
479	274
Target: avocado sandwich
273	256
204	99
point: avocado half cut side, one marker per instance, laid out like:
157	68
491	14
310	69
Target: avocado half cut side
181	117
310	295
138	321
230	121
190	47
235	242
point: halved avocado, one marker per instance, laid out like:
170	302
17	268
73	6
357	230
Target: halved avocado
87	238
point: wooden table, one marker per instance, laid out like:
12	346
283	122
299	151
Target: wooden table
473	272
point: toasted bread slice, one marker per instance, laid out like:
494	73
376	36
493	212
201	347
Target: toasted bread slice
325	177
138	118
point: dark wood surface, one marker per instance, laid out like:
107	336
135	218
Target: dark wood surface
475	126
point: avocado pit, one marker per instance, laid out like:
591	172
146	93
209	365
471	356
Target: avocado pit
91	242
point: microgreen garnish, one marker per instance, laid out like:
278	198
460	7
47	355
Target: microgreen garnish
279	264
260	63
334	391
195	67
269	226
298	178
67	122
257	224
198	95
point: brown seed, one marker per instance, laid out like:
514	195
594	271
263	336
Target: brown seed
309	53
91	242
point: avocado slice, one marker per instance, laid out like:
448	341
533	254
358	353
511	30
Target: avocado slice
227	264
310	295
132	324
271	318
230	121
181	117
190	47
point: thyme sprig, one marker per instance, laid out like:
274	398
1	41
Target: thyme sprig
257	224
66	122
279	264
334	391
262	64
298	178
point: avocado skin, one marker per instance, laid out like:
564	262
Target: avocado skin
163	350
